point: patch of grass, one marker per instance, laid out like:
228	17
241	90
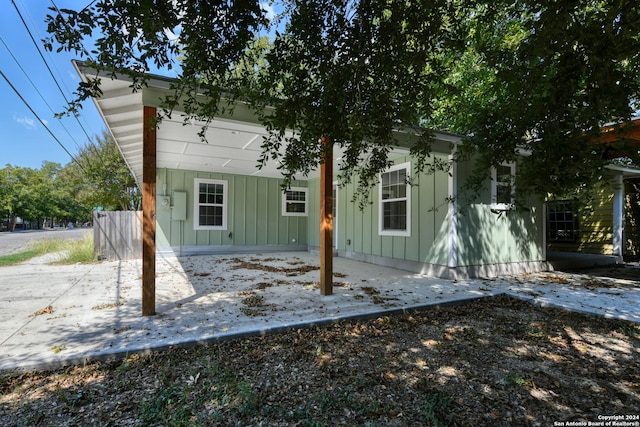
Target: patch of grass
170	406
78	251
629	330
75	251
17	258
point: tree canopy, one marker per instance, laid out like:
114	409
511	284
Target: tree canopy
352	72
513	75
100	176
544	77
38	194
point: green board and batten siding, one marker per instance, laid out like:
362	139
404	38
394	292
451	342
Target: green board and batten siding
358	230
254	219
254	216
483	237
489	236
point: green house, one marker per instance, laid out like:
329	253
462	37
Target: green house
210	197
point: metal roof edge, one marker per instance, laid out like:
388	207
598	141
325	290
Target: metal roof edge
624	169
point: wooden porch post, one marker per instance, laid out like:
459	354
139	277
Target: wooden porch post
326	218
149	212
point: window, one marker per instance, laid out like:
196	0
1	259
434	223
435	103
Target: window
295	202
210	204
395	201
561	222
502	186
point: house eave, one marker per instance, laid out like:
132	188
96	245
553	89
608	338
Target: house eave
626	171
233	143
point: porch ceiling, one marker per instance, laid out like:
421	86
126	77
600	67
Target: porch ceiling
232	146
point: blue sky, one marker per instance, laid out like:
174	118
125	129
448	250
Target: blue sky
24	140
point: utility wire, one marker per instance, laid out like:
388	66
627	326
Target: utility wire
66	22
46	63
37	90
84	49
90	147
39	51
34	27
89	144
83	9
40	120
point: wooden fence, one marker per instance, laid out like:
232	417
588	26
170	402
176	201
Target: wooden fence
117	235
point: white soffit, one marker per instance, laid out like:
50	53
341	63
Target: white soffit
231	146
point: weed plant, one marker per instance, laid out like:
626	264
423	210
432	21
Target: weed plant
73	251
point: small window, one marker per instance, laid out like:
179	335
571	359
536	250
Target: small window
295	202
395	201
561	222
210	210
502	188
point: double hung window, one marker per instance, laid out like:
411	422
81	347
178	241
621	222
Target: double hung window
210	210
295	202
502	188
395	201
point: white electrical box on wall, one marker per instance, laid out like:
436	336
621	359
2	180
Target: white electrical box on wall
179	208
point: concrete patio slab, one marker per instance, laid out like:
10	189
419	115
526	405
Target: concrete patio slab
52	315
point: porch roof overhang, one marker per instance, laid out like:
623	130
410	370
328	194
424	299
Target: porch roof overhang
625	171
233	143
621	140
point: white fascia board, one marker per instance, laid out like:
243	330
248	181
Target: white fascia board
626	170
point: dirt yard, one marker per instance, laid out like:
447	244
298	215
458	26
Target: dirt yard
492	362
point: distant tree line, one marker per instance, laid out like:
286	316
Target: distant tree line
57	195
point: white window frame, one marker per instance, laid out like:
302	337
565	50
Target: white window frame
304	190
381	230
494	188
561	213
197	204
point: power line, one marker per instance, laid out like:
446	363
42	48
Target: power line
46	63
87	53
37	90
84	49
34	27
89	139
40	120
39	51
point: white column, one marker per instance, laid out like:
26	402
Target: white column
618	215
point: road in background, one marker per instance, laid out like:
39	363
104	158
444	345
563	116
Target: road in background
16	241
